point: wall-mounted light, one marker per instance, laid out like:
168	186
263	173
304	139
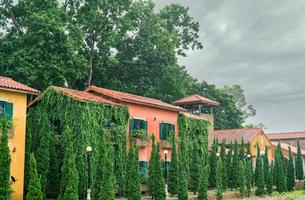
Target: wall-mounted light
14	149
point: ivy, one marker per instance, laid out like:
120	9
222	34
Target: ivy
48	118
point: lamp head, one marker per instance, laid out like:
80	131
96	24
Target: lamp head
165	152
89	148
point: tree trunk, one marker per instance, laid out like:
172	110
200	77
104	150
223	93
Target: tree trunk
90	64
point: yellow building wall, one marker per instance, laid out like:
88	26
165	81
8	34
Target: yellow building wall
19	101
262	140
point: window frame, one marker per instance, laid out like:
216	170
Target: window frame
170	129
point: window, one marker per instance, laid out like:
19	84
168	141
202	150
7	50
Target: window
143	168
138	127
6	109
166	130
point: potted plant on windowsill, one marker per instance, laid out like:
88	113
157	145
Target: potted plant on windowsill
140	137
166	144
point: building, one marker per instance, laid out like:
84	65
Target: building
253	136
13	104
285	150
289	138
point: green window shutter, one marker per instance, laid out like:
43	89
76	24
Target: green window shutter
145	168
8	110
162	131
131	126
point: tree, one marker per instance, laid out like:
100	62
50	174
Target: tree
224	166
280	180
299	174
219	190
241	179
35	188
248	178
151	170
249	158
194	168
269	180
204	183
70	177
259	174
133	176
229	166
183	171
213	164
242	150
290	173
173	170
234	167
266	164
5	160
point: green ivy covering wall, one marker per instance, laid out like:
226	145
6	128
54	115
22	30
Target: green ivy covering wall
88	121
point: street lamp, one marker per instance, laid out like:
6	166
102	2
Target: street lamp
217	154
165	158
89	151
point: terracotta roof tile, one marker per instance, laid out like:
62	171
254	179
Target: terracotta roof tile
195	99
289	135
248	134
131	98
10	84
285	146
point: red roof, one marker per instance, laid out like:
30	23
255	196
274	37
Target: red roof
290	135
285	146
248	134
195	99
134	99
9	84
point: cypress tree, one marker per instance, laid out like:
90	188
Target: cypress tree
248	177
259	174
151	168
269	180
104	180
224	167
266	164
251	163
203	185
290	173
241	179
70	177
299	174
120	170
234	167
182	175
5	160
219	190
242	150
159	180
229	166
213	164
281	185
195	168
173	170
133	189
34	188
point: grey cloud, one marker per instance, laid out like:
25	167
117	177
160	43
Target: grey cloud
258	44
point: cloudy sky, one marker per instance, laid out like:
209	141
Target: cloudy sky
258	44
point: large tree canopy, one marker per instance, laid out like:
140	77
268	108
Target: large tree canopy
124	45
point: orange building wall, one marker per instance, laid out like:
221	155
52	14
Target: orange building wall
19	101
262	140
154	117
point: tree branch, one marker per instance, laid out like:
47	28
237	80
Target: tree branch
12	16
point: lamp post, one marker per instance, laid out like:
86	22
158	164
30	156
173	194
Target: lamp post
89	151
217	154
165	158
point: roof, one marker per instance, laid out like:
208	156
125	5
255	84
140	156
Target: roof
134	99
289	135
285	146
77	95
10	84
195	99
248	134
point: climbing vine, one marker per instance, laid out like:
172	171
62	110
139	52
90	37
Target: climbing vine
88	121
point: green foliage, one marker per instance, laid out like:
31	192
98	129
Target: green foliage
223	158
86	120
248	177
299	173
234	167
242	150
195	169
183	170
259	174
213	164
229	166
173	170
5	160
70	178
156	180
290	173
241	179
250	163
133	176
269	180
204	183
266	164
219	189
280	179
35	188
